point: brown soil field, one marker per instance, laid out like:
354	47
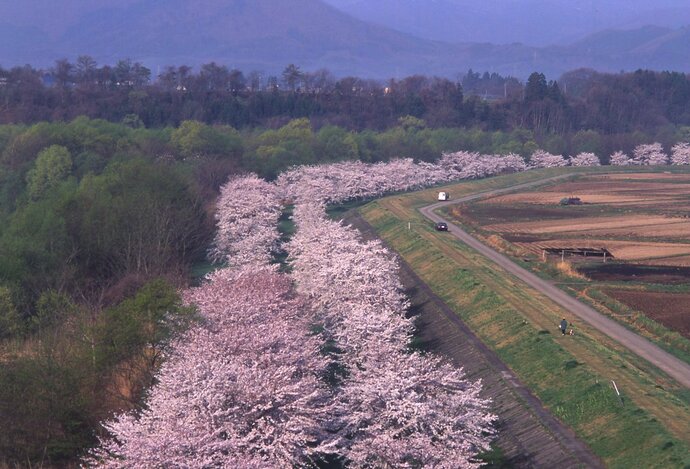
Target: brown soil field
645	225
483	214
670	309
619	212
643	176
552	198
643	273
667	231
621	250
617	192
653	188
678	261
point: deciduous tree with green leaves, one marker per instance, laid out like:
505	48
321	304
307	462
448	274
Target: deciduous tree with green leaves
52	165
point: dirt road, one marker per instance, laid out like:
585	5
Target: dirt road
671	365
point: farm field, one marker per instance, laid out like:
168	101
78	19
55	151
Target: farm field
571	376
671	310
642	221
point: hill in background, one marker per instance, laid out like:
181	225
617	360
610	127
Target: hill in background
266	35
534	22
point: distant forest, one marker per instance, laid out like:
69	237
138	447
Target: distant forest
581	100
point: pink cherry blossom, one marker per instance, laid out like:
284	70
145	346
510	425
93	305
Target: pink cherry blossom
620	159
247	216
680	154
543	159
650	154
585	159
242	390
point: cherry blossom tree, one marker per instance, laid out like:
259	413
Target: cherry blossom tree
585	159
398	409
247	216
650	154
512	163
414	411
350	282
680	154
468	165
620	159
242	390
543	159
338	182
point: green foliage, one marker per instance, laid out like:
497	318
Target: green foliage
536	88
409	140
11	323
143	325
7	134
35	245
133	121
44	412
588	141
137	217
276	150
52	310
52	165
194	138
336	144
71	234
53	396
411	123
89	162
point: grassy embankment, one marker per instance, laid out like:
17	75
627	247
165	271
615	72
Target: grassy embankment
571	375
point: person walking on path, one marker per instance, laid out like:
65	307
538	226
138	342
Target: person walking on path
564	326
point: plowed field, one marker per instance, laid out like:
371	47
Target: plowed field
670	309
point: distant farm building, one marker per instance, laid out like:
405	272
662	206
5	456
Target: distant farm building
443	196
578	251
571	201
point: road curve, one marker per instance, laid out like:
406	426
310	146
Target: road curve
674	367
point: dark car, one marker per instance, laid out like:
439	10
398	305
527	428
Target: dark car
441	226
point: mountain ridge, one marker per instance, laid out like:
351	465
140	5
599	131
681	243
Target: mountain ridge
266	35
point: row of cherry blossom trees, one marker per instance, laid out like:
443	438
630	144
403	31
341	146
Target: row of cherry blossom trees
653	154
243	389
247	214
400	408
250	387
246	387
335	183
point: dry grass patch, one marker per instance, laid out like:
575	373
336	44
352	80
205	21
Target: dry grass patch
566	268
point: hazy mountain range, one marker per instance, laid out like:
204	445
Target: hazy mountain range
531	22
442	37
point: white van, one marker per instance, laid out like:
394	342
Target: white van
443	196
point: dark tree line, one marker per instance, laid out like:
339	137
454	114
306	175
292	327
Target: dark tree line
215	94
